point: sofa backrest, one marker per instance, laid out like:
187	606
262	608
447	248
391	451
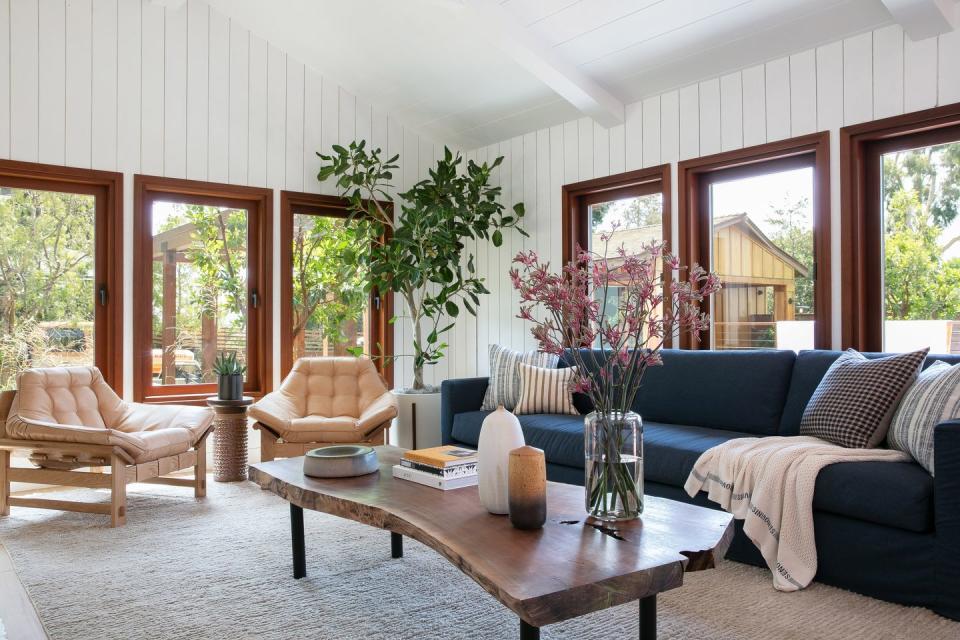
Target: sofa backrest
733	390
809	368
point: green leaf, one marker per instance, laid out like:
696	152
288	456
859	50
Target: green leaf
497	238
452	309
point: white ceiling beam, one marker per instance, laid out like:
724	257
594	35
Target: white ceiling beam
566	79
922	19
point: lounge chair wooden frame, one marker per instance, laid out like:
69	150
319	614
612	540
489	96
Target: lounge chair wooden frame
272	446
123	471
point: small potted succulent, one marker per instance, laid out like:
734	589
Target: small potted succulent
229	376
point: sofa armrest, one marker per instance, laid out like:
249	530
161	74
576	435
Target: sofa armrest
458	396
946	496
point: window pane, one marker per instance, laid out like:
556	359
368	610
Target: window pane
921	249
200	293
631	223
330	306
46	280
762	235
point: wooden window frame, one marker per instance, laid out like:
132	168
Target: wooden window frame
861	219
381	331
694	177
259	203
107	189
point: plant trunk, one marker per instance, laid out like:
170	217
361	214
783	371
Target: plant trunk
417	369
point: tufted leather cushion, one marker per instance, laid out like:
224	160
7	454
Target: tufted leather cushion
76	405
327	400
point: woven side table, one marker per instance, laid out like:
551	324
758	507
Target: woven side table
230	438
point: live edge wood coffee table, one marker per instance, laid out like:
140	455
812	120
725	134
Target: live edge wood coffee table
571	567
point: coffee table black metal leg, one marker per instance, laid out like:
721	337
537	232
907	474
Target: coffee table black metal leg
648	618
528	631
396	545
299	547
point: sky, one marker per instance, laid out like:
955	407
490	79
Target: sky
755	195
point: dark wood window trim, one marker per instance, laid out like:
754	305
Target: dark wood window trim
694	178
861	220
381	331
107	188
578	196
259	203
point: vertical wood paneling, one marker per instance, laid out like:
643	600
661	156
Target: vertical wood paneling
571	166
777	85
276	117
651	131
948	76
312	129
504	333
830	86
690	122
198	65
294	169
919	74
52	81
5	81
487	268
239	107
541	176
731	112
24	74
618	156
379	131
347	128
803	93
585	136
754	106
709	117
857	79
218	116
330	127
601	151
152	101
633	130
556	185
888	71
670	126
175	93
128	89
103	126
257	113
518	189
362	121
79	51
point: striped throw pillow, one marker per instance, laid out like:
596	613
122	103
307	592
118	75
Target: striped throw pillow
546	390
504	385
933	398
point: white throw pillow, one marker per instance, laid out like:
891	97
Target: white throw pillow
933	398
504	385
546	390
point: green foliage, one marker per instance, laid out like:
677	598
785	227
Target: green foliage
418	238
793	233
921	198
642	211
226	364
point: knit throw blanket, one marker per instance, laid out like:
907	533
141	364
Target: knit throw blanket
768	483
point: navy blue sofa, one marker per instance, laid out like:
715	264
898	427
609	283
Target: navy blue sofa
887	530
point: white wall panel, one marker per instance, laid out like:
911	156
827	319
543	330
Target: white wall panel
257	113
128	89
690	122
633	128
103	125
276	117
312	129
919	74
803	93
948	73
198	65
731	112
709	117
571	166
601	151
651	131
858	79
830	86
239	107
24	82
52	81
175	93
294	169
888	71
330	128
4	81
585	136
670	127
79	48
152	102
754	106
618	142
777	86
218	89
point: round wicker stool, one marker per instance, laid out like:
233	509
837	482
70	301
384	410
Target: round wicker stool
230	438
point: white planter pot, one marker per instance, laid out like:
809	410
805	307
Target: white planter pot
422	410
499	435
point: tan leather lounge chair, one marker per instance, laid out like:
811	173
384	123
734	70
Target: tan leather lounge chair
69	418
324	401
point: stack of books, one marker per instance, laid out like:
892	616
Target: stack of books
445	468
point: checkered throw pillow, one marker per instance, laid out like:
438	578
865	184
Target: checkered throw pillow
504	385
855	401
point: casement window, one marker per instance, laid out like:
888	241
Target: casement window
201	286
901	232
60	270
326	307
760	218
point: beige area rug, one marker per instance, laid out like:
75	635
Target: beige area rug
220	568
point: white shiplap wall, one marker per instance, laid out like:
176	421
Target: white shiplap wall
864	77
131	86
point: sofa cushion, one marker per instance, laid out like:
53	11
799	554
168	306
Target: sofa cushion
560	436
896	494
671	450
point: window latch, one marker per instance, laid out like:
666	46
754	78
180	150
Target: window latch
376	301
102	295
255	299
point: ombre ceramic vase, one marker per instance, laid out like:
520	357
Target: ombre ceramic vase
499	435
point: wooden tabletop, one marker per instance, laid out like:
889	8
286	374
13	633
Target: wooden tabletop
569	568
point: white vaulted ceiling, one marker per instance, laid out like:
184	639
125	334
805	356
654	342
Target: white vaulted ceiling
433	63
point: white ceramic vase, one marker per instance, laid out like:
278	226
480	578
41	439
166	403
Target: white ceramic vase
499	435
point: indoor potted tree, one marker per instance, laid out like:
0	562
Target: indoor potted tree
229	376
418	251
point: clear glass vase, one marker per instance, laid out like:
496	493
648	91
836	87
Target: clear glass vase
613	450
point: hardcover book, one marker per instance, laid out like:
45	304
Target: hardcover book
449	472
431	480
442	457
